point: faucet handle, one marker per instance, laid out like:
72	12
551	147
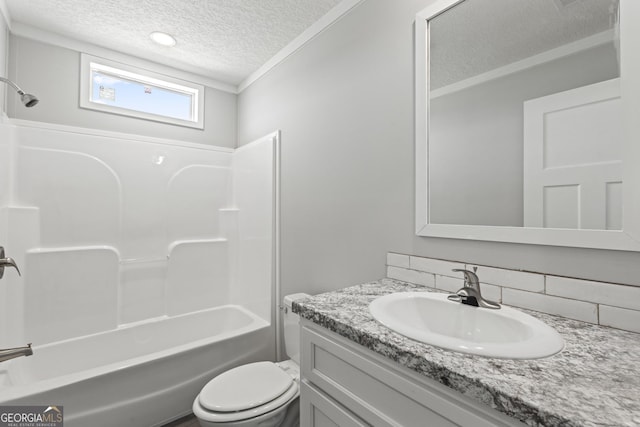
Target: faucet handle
7	262
470	277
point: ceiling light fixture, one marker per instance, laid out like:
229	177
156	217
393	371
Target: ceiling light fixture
163	39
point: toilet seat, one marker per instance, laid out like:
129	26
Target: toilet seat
246	392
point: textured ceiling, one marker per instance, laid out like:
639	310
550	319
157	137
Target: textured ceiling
480	35
226	39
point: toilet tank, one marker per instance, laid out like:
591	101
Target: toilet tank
292	327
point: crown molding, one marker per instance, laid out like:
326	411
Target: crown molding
186	72
310	33
193	74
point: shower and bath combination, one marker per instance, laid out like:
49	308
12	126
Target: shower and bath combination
10	353
27	99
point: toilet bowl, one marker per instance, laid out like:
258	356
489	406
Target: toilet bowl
261	394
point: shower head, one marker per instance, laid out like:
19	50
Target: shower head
27	99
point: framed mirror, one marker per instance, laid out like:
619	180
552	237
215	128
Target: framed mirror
526	122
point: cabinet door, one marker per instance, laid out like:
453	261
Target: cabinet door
377	392
318	410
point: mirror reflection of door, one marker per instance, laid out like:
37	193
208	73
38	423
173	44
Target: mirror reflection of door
488	59
573	159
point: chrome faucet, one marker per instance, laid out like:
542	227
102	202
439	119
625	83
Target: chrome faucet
470	293
12	353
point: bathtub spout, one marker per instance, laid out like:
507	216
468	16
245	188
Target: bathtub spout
11	353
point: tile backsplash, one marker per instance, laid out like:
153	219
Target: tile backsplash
607	304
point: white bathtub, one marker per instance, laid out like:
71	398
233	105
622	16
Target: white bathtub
144	374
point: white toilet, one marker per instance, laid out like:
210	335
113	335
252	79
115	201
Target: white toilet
261	394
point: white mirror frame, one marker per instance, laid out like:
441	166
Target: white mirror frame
628	239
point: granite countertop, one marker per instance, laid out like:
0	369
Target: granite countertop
594	381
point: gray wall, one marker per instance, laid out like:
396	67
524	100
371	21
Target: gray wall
53	74
344	103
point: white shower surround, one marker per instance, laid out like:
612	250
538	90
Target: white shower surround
120	238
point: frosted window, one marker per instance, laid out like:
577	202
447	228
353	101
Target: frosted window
143	95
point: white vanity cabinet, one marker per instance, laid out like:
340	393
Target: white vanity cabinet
345	384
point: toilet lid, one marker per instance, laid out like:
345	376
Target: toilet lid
245	387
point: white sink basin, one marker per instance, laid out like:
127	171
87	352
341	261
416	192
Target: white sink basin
432	319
